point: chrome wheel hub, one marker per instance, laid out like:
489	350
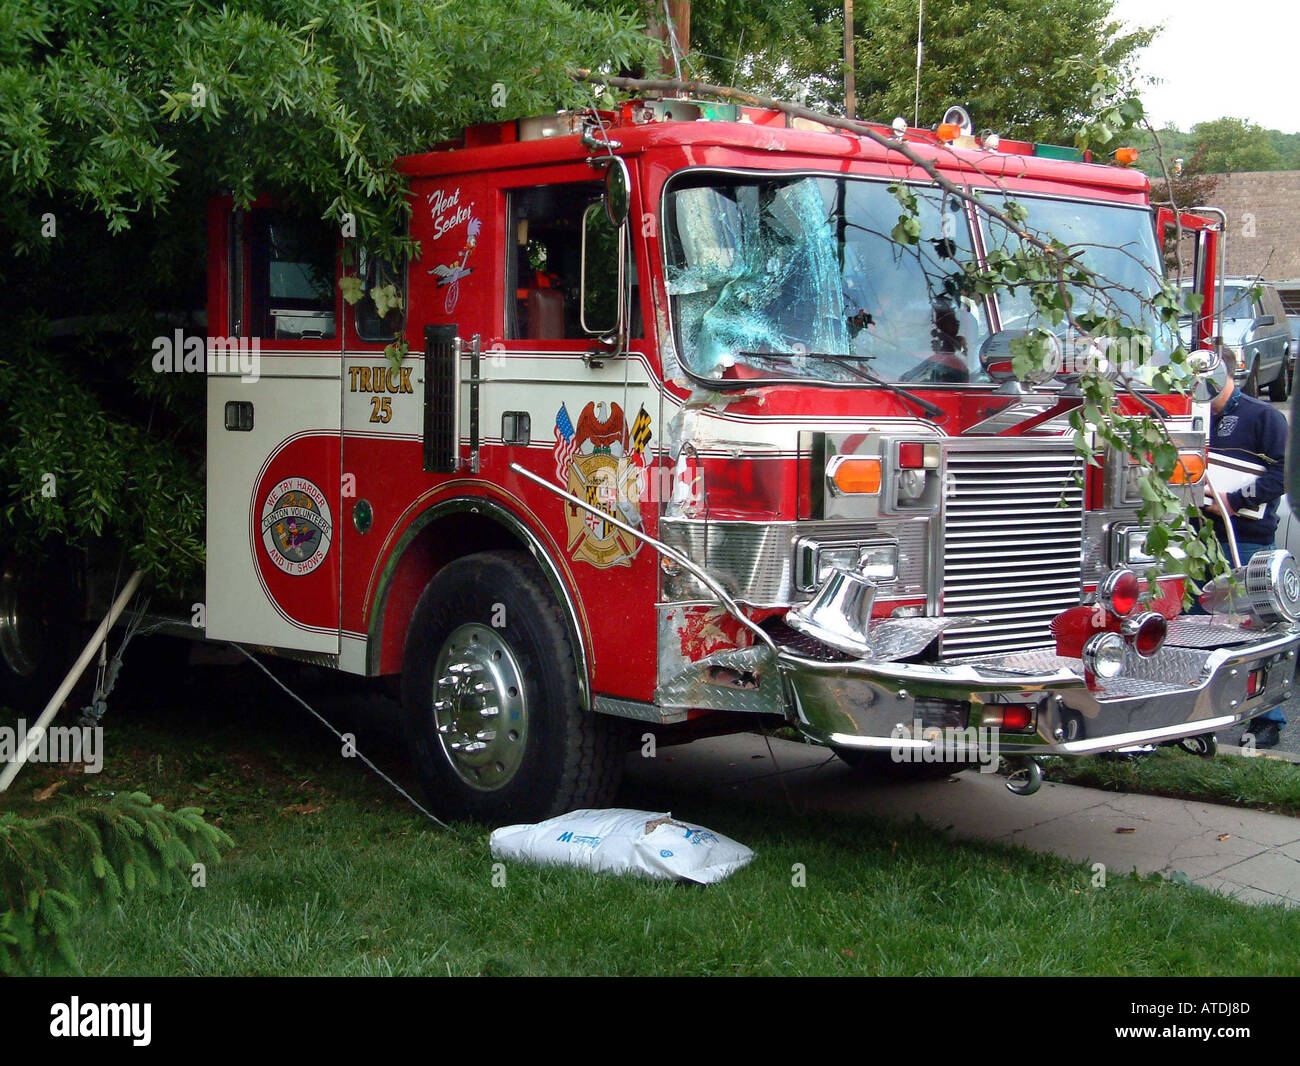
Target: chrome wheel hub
21	631
480	712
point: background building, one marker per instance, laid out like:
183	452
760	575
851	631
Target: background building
1263	210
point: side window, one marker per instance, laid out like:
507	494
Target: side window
291	276
380	311
544	265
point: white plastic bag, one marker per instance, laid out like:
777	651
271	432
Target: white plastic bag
621	841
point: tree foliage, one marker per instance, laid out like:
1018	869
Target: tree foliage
52	867
118	119
1021	67
1232	144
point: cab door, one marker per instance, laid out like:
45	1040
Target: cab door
273	430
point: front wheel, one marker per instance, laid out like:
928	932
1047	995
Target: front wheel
492	700
1251	386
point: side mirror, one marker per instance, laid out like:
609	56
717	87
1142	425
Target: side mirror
1265	320
601	289
618	192
1212	374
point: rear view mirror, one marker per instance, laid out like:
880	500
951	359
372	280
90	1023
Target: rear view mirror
601	307
1212	374
618	192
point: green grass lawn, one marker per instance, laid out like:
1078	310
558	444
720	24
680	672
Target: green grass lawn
1259	781
334	874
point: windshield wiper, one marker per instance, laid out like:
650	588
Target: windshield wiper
866	374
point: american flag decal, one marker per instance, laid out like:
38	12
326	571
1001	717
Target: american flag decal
565	445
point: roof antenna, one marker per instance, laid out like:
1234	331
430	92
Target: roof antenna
920	19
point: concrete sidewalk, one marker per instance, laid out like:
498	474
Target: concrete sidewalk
1248	854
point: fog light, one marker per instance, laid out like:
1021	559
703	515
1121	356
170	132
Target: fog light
1103	655
1145	632
1119	592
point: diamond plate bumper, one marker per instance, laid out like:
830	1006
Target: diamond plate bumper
1186	689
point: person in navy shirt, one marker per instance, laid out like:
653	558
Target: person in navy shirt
1246	428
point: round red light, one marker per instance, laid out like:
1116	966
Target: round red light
1119	592
1146	632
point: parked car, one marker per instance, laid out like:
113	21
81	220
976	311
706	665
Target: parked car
1257	333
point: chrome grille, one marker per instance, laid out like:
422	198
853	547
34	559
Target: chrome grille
1011	554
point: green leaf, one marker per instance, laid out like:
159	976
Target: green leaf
1164	457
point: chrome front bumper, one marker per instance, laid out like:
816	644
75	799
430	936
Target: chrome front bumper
1187	688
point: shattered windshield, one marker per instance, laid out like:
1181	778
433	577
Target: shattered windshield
798	276
1115	242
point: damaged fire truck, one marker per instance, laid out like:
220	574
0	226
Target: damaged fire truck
684	442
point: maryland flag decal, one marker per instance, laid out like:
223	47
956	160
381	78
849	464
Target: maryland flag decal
604	463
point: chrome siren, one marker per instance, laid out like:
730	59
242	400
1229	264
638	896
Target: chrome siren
1267	588
839	614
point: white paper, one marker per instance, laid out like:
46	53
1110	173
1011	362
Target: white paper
1230	473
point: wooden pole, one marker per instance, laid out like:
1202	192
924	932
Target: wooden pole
850	94
37	731
676	26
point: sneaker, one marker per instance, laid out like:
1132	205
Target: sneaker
1265	731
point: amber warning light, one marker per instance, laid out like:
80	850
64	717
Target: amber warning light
855	476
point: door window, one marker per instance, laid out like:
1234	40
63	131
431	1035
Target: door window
291	275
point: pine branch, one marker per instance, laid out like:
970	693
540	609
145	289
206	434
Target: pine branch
129	843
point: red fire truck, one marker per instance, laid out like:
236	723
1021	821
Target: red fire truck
684	442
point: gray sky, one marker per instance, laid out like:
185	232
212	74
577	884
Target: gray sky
1215	58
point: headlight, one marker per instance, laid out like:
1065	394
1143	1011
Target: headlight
1128	547
814	560
1103	655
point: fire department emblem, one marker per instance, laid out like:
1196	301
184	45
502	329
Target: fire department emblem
604	463
296	526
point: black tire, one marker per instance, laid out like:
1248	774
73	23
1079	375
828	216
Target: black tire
491	617
1251	387
882	764
40	621
1280	386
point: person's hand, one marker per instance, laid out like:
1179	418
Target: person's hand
1212	505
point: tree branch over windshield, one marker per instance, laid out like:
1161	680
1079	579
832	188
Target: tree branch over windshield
1051	272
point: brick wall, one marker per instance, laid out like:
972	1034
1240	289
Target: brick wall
1263	222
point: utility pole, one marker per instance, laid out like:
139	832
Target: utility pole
669	21
850	95
920	34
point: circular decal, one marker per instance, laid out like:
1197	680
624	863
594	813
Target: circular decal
296	526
